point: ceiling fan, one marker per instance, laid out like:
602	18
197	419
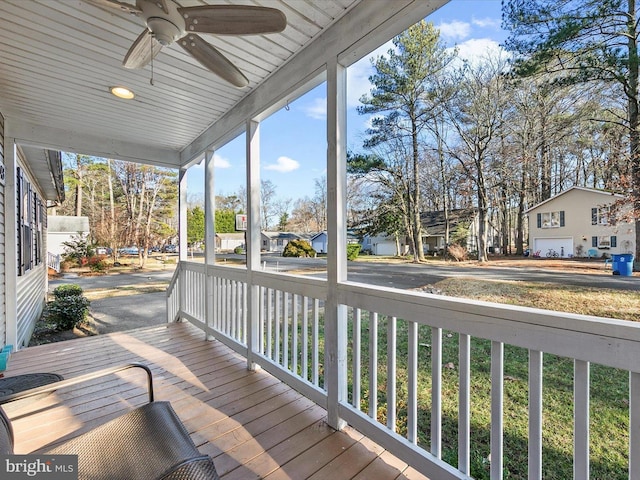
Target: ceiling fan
167	22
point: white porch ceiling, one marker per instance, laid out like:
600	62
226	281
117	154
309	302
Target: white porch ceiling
58	59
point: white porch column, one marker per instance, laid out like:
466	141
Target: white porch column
11	241
182	237
209	234
335	314
182	214
252	238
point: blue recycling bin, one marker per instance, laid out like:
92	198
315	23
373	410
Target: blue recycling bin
622	264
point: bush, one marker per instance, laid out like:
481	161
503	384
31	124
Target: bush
298	248
68	290
353	250
97	264
457	252
69	306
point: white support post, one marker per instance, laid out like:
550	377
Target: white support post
11	241
182	236
209	235
253	239
336	314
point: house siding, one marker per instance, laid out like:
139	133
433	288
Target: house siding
3	309
574	229
31	285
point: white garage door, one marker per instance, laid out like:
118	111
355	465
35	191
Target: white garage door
563	246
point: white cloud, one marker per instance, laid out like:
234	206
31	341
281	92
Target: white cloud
220	162
477	49
487	22
283	165
317	109
455	30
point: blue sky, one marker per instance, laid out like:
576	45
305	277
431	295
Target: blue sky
293	140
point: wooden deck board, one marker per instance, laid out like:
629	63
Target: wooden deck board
251	424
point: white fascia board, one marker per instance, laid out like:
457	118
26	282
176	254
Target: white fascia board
368	25
53	138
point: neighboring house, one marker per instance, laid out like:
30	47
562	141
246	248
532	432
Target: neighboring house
228	242
385	245
276	241
61	229
319	241
433	234
30	181
579	222
433	229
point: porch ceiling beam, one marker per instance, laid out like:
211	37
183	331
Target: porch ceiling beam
54	138
354	35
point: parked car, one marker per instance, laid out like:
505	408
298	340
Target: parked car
103	251
128	251
170	249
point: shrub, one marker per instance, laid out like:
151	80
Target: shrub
77	248
457	252
67	312
353	250
298	248
68	290
97	264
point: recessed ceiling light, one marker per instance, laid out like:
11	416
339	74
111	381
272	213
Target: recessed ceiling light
122	92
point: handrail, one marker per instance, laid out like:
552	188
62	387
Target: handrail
79	379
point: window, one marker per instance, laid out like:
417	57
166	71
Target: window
604	241
31	222
601	215
551	219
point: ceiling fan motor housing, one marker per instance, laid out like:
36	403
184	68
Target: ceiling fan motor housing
165	27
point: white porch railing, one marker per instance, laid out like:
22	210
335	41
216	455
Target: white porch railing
406	414
53	261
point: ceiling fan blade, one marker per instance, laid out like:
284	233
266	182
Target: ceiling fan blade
212	59
233	19
143	50
127	7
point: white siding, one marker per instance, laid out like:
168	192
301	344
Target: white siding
31	287
3	318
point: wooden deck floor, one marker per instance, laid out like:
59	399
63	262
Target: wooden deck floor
251	424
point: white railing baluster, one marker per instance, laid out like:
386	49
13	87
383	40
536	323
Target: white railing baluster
278	316
245	310
535	415
391	373
294	335
436	392
270	323
315	341
263	319
373	365
357	358
464	409
305	337
581	419
412	387
285	332
497	391
634	426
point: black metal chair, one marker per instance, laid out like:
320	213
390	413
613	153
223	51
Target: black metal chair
148	442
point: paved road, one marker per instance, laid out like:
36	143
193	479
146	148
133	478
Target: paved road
145	309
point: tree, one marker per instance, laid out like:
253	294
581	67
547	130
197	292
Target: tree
478	114
579	42
402	82
195	225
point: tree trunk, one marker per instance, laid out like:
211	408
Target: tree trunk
78	186
634	143
418	255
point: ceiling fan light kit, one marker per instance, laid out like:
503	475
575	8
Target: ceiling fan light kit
167	23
